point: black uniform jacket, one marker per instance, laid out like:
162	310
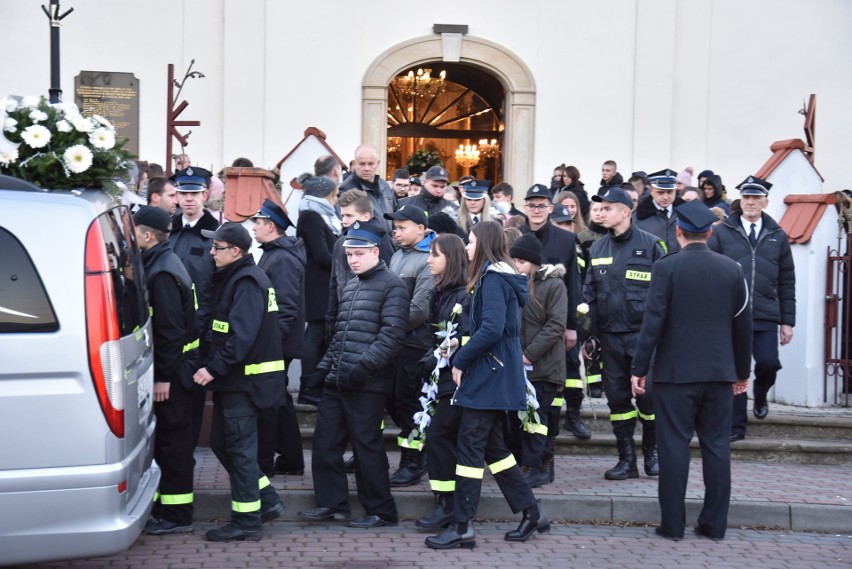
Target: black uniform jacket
193	249
697	317
284	261
245	346
768	267
319	242
559	247
655	222
368	333
176	333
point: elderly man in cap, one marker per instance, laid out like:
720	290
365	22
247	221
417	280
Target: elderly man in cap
694	381
758	243
656	212
245	372
366	167
431	198
617	282
283	260
193	249
358	371
176	334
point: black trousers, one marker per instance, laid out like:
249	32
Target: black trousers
312	352
404	401
233	438
278	431
571	395
173	447
683	409
766	366
481	442
355	416
531	449
618	352
442	436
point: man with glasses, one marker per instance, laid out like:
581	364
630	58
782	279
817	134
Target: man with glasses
245	372
400	183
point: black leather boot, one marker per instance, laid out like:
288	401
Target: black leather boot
442	516
457	535
533	521
409	472
535	476
574	423
649	448
626	466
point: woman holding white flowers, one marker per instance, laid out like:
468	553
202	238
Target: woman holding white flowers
449	315
489	375
542	329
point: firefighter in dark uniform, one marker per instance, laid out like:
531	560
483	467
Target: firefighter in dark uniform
176	341
245	371
617	281
693	378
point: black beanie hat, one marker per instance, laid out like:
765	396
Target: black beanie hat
527	248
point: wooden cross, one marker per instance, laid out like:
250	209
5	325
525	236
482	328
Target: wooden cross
809	111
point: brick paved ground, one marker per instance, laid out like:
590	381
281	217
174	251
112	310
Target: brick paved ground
323	546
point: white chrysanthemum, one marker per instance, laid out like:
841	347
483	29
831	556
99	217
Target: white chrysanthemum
81	123
9	104
67	108
582	308
10	157
78	158
102	138
64	126
38	116
457	308
103	121
10	124
36	136
31	102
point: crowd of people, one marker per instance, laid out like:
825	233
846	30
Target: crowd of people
470	324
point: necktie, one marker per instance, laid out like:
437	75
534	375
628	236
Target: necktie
475	219
752	236
188	226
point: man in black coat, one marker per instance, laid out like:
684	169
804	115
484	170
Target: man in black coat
283	261
366	167
692	378
656	212
758	243
431	198
358	371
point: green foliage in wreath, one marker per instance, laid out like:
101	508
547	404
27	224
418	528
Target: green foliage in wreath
421	160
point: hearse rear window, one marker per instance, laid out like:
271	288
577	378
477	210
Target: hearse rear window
24	305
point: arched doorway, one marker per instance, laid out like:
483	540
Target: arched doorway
505	67
446	111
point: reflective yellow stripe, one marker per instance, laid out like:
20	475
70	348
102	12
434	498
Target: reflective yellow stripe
150	311
245	507
192	346
647	417
502	465
535	429
581	262
644	276
271	303
265	367
194	297
175	499
574	383
263	482
602	261
663	245
219	326
469	472
382	425
623	416
594	378
156	495
558	402
442	485
464	340
405	443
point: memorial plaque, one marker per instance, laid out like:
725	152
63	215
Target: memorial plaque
114	96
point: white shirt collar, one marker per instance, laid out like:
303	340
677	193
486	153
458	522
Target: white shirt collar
758	225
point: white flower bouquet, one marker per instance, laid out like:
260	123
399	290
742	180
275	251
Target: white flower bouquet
54	146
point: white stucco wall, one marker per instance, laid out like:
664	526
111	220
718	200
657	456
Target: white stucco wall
651	84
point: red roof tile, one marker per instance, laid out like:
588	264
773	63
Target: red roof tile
780	150
803	213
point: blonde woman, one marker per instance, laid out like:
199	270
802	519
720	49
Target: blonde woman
475	206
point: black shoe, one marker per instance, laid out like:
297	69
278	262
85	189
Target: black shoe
652	462
323	515
308	398
534	521
349	465
596	392
761	411
370	522
662	533
626	466
272	512
450	538
536	477
230	532
736	437
165	527
702	532
575	424
441	516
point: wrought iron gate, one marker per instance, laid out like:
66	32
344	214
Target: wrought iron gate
838	309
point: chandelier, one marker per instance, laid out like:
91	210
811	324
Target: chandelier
467	156
489	149
421	84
